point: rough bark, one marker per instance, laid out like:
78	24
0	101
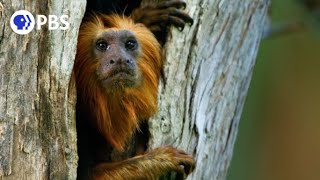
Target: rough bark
207	72
37	120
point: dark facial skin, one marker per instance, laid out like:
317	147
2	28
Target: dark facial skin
117	53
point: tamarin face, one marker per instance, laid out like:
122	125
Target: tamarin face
117	70
116	52
116	56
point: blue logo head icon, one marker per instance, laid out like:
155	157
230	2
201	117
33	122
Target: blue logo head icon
22	22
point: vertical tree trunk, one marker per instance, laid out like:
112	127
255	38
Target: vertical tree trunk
37	120
206	77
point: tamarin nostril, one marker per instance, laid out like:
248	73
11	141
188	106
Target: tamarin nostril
111	61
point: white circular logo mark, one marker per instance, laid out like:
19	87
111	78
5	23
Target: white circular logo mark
22	22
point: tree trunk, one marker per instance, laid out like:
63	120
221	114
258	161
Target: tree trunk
37	119
207	72
206	76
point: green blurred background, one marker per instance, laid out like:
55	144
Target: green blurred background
279	133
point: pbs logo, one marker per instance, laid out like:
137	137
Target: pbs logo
22	22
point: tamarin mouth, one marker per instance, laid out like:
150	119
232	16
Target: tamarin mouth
120	77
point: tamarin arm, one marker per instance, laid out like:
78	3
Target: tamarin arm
148	166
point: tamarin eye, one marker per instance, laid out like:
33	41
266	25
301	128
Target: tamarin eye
102	46
131	44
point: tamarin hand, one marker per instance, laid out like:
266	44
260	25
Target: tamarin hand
149	166
156	16
183	162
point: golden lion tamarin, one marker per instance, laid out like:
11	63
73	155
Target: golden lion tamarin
117	69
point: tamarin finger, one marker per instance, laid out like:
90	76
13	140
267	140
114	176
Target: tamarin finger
175	21
181	14
176	4
171	12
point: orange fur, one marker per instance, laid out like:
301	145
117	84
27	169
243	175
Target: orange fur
116	114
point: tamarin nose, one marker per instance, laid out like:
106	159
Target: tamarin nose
120	61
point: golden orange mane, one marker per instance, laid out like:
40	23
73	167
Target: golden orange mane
117	114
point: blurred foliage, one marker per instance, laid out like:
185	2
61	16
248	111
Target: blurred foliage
280	127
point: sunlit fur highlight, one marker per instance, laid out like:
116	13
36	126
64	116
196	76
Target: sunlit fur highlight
117	113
